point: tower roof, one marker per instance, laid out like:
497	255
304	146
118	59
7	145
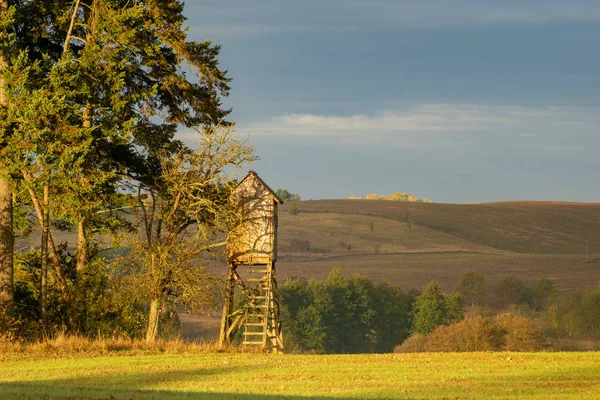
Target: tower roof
253	175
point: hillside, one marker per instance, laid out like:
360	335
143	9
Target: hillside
522	227
412	243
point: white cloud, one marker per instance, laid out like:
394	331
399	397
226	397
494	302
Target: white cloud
434	125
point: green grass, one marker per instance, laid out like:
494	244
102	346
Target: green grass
245	376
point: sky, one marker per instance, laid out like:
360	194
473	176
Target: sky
457	101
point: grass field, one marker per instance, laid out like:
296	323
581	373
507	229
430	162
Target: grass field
246	376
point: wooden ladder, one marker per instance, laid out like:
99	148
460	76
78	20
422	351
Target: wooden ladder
259	306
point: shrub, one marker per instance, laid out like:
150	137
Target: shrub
471	334
415	343
506	332
293	210
521	334
300	245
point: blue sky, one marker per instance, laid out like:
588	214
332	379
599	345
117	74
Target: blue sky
454	100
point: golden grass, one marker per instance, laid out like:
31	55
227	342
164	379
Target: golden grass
79	346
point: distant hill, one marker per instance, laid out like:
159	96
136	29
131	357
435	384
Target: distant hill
522	227
411	243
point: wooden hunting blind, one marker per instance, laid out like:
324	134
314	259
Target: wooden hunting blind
254	248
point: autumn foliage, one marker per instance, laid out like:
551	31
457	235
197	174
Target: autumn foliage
506	332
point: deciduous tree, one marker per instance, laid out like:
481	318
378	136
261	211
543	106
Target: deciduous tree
432	309
185	211
509	290
472	288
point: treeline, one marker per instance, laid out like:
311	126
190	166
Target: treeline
344	315
353	315
286	196
567	315
397	196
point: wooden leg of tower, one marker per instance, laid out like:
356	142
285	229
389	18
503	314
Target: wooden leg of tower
276	334
226	318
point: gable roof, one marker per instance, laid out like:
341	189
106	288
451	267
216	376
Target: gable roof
255	176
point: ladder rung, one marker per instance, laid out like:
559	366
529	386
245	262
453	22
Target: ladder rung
255	324
256	279
254	343
254	334
250	271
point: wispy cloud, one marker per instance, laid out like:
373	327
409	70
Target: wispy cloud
434	125
260	17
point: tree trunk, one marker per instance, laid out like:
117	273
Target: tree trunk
79	312
82	240
153	319
44	262
82	246
6	212
6	247
52	251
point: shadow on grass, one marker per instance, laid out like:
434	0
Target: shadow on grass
133	386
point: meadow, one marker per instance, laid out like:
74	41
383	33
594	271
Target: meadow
191	375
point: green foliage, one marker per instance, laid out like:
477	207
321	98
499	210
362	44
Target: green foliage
432	309
544	295
104	310
95	91
185	211
392	318
343	315
286	196
293	210
371	225
510	290
429	309
472	288
455	310
579	317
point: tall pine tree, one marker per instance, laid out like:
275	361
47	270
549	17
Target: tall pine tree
6	215
96	92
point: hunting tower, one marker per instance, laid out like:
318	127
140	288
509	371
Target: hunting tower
254	249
